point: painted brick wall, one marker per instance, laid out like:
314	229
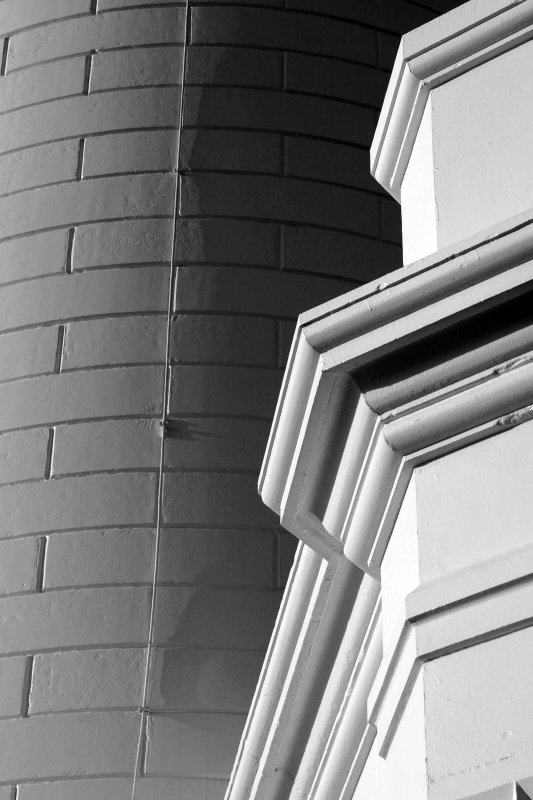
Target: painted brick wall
275	213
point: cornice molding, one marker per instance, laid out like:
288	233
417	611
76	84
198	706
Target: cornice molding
433	55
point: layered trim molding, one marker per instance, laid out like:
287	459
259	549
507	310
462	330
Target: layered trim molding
343	446
433	55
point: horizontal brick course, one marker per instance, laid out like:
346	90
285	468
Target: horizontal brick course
41	83
325	161
228	241
231	151
12	679
26	353
203	680
31	256
218	444
355	82
119	340
17	14
223	340
81	618
86	679
151	66
18	566
106	445
38	166
98	557
68	37
234	67
217	557
138	241
100	500
232	501
138	151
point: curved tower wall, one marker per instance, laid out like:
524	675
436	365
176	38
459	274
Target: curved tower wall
107	689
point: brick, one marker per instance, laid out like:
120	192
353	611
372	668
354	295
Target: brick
85	201
281	30
340	255
216	557
149	66
216	618
332	78
391	220
18	14
223	340
278	111
203	680
139	151
286	335
118	340
287	200
90	558
68	37
231	151
325	161
18	565
231	444
120	788
38	166
228	242
106	445
29	256
143	241
77	618
113	291
234	391
26	353
77	395
68	744
45	82
212	499
253	291
234	66
82	502
23	455
12	680
85	115
87	680
193	745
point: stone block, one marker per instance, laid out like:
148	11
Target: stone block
123	391
330	162
77	618
217	618
12	681
26	353
270	110
68	744
231	444
333	78
18	565
138	151
231	151
117	340
84	115
38	166
252	291
400	17
146	66
192	745
86	201
203	680
44	82
279	199
228	242
29	256
82	680
138	241
206	338
23	455
235	66
223	391
68	37
106	445
90	558
112	291
217	557
100	500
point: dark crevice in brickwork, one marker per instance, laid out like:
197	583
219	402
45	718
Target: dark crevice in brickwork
39	579
26	687
70	247
49	453
79	166
5	53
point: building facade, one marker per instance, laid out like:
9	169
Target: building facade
179	181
